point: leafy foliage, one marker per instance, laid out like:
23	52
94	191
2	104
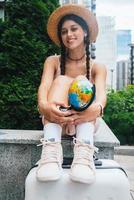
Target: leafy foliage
119	114
24	45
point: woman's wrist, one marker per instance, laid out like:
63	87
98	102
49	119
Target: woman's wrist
101	109
41	106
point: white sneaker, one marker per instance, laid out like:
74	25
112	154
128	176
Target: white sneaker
83	168
50	164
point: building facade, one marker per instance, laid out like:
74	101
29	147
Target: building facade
87	3
123	58
123	41
123	73
106	49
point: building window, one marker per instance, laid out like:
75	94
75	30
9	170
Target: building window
65	1
74	1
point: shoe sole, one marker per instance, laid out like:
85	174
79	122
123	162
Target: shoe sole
80	180
47	179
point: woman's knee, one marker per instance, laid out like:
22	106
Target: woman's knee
59	89
62	79
81	77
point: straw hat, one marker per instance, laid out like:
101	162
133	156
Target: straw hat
75	9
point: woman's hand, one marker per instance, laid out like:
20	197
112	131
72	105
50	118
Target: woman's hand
90	114
52	113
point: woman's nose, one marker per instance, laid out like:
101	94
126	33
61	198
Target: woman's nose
69	33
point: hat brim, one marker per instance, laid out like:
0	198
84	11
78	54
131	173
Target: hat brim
75	9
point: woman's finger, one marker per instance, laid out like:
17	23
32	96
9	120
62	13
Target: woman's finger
79	121
67	120
60	104
76	116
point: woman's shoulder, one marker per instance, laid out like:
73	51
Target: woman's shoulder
53	58
53	61
98	66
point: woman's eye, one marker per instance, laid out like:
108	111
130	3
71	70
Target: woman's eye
63	32
74	29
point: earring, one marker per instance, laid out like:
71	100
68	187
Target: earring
85	38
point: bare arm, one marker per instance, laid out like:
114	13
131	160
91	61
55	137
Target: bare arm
50	110
46	82
100	83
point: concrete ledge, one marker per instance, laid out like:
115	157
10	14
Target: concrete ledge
105	140
103	136
20	136
124	150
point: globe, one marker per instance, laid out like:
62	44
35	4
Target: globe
81	94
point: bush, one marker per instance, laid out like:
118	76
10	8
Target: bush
119	114
24	45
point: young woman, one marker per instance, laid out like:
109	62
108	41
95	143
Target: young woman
73	28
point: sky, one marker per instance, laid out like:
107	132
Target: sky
122	10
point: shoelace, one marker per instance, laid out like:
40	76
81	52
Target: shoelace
83	151
49	152
75	141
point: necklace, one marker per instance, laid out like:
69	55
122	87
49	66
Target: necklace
77	59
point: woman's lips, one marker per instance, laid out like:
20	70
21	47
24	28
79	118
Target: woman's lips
71	40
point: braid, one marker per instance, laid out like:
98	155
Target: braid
63	59
87	59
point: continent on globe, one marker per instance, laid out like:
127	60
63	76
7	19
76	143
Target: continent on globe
81	94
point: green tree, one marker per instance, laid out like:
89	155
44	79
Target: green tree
119	114
24	45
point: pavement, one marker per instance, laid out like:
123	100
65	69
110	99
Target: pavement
124	155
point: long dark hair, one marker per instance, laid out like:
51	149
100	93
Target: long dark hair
84	26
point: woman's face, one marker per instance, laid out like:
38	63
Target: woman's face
72	34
